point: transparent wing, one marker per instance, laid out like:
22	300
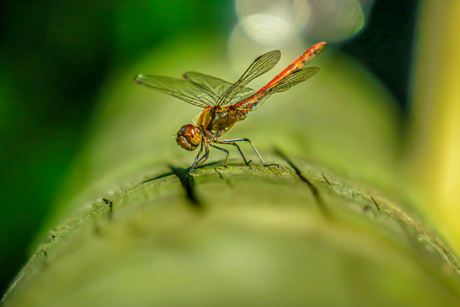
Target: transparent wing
295	78
251	102
259	67
185	90
215	87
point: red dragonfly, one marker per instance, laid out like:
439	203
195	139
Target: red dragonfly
225	103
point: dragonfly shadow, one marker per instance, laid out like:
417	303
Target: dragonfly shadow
187	170
187	181
188	184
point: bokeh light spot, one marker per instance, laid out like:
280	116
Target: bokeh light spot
272	22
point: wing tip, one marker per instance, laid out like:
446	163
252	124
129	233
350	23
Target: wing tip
137	79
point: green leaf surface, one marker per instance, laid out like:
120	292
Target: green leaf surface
280	236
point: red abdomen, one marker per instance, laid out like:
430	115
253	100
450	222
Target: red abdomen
303	59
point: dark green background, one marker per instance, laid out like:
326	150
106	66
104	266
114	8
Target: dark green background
55	56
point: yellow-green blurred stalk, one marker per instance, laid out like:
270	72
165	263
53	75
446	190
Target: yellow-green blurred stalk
434	155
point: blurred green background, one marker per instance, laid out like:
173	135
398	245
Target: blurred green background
56	57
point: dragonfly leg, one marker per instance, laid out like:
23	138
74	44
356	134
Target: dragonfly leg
224	150
234	144
195	162
253	147
204	157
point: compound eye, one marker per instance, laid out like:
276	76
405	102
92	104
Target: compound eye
189	137
186	130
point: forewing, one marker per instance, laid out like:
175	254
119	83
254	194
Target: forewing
260	66
283	85
215	87
185	90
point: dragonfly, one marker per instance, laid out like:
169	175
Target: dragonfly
224	103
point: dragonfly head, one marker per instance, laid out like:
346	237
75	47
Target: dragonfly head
189	137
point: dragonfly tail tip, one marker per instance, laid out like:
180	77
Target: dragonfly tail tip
321	45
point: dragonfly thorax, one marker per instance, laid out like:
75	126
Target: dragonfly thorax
214	122
189	137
